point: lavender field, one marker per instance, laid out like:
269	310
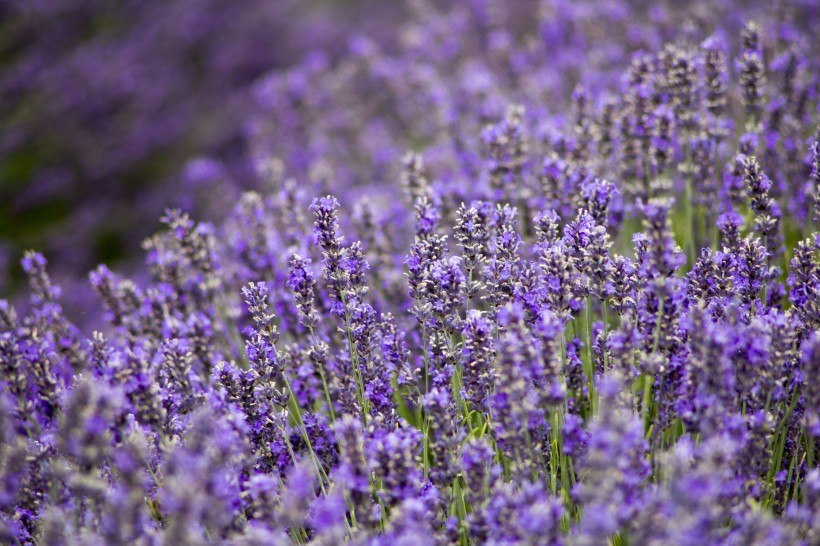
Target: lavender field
529	272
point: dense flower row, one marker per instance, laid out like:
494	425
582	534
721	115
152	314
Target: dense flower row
595	328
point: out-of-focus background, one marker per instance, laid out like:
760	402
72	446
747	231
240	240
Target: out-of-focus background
112	111
104	104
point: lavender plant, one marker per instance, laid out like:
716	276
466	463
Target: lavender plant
561	314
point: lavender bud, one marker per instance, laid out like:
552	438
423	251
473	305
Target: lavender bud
472	237
547	228
445	436
662	123
766	210
91	413
804	282
413	178
752	72
615	467
478	357
427	217
394	460
260	348
681	83
561	282
353	474
815	182
621	285
302	282
810	359
729	226
589	246
505	154
716	77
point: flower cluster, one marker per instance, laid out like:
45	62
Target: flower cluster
533	329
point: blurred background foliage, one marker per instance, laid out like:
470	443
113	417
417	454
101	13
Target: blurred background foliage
103	103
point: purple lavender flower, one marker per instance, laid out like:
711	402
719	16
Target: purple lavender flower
524	516
445	437
353	473
663	256
682	85
589	245
393	458
413	177
616	469
729	224
767	213
717	79
90	414
326	236
505	153
601	199
547	227
621	285
445	287
418	395
752	72
502	268
302	282
260	348
815	182
561	283
662	123
472	236
810	359
476	464
427	216
804	282
478	357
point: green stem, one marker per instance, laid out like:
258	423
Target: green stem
354	363
324	379
590	356
647	398
424	418
297	412
690	226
